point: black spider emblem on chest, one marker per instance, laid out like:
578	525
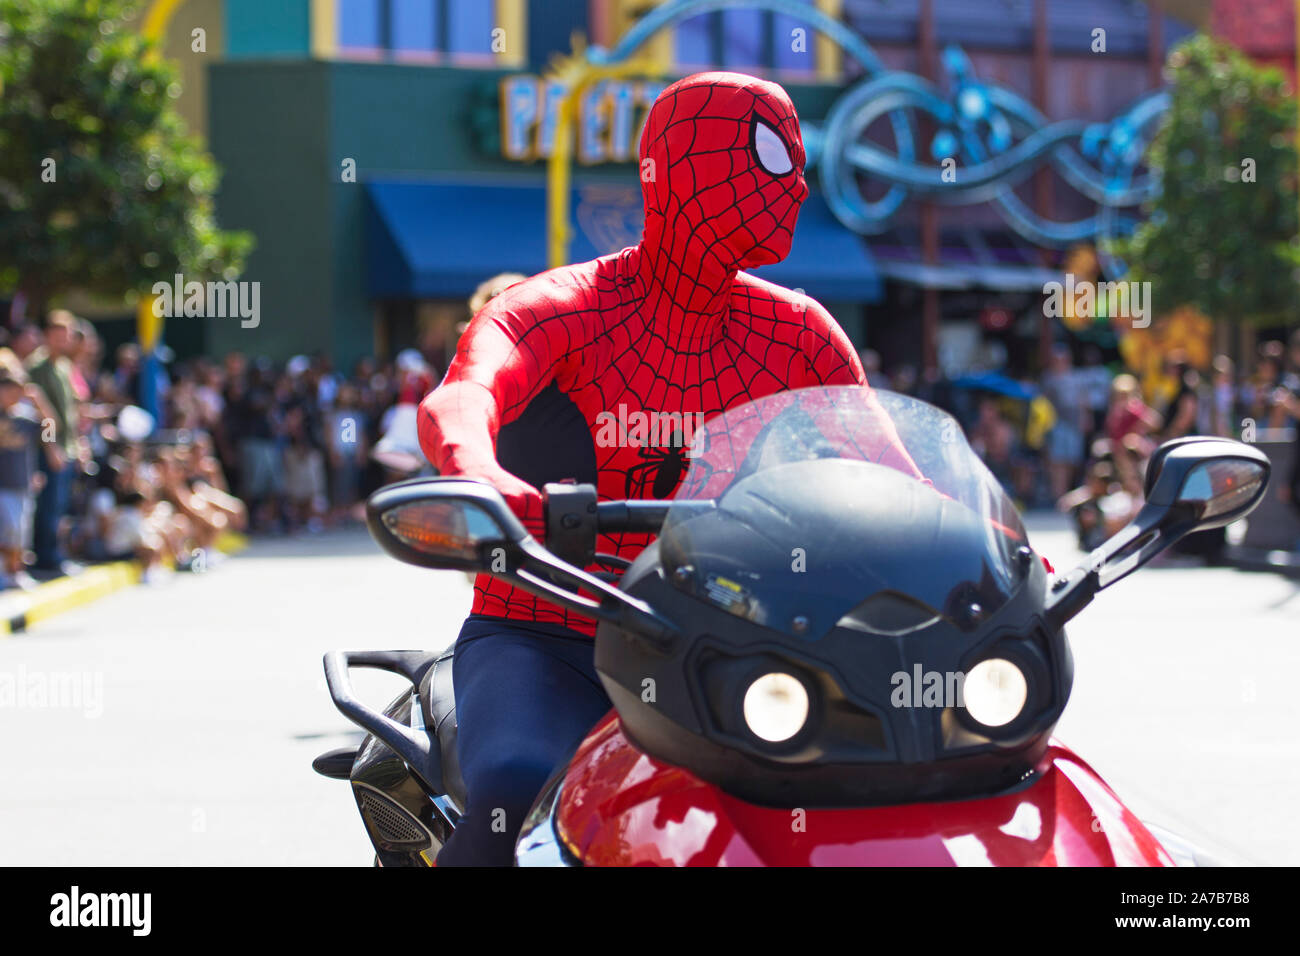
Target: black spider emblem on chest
660	469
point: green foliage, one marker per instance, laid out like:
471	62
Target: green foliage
1213	240
131	200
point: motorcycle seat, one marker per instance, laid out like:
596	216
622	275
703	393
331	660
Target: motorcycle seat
439	699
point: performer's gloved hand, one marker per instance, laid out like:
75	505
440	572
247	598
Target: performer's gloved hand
457	423
524	500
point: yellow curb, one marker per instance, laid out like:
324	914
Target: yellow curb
231	542
64	594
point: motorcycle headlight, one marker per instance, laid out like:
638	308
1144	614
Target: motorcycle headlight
995	691
776	707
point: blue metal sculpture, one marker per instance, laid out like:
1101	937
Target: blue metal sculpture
989	139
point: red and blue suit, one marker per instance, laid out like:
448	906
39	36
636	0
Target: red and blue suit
550	371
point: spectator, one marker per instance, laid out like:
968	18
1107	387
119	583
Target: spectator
206	480
1129	425
348	449
1183	411
255	422
399	447
1286	405
126	372
994	440
1101	507
1068	394
122	530
1258	390
1095	379
25	339
327	383
20	447
304	475
130	521
50	368
207	395
489	289
84	353
203	523
1223	397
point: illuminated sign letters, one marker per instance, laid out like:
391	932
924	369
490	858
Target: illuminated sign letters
611	114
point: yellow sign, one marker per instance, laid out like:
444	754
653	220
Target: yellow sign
1185	332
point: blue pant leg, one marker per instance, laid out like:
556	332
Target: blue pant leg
51	504
524	700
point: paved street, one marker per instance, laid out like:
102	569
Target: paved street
203	704
1183	700
214	704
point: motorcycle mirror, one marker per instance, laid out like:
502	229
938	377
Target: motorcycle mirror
1215	479
1193	484
464	525
1157	460
447	523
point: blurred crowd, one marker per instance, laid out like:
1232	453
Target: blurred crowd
1080	436
108	457
303	443
241	443
85	473
236	444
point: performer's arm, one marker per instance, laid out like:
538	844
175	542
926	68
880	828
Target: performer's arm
505	357
832	359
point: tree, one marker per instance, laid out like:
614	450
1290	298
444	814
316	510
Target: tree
101	187
1221	235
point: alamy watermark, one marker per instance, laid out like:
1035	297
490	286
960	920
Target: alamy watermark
922	688
1131	299
126	910
209	300
641	429
25	689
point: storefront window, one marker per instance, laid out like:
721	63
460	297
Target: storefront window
694	41
457	30
359	27
470	27
746	39
415	27
745	46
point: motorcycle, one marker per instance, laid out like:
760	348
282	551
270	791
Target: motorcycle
838	649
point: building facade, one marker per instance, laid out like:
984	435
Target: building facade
390	154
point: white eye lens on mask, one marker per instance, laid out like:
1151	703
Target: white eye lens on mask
772	154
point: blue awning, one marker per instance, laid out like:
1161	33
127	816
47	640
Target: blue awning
441	239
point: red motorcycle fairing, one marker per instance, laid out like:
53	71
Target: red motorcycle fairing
621	807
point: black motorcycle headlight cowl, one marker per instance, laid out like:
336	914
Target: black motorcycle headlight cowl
852	743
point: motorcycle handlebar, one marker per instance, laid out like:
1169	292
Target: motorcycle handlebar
574	517
631	516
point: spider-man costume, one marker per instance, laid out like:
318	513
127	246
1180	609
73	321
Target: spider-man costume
549	372
666	326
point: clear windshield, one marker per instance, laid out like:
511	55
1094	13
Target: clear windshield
977	567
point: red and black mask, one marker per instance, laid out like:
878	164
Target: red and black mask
722	171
